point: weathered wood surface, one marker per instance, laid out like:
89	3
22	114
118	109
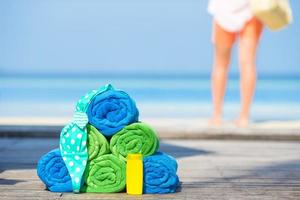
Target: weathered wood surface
208	170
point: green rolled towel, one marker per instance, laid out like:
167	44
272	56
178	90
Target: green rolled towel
105	174
97	144
134	138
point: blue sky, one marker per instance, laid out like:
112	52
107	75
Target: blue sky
120	36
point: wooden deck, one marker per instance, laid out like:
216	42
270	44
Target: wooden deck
208	169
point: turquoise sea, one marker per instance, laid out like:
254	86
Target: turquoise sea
188	96
160	52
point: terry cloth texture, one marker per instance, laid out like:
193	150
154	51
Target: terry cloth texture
160	174
97	144
54	174
105	174
111	110
134	138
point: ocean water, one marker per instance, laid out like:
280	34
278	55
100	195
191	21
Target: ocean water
276	98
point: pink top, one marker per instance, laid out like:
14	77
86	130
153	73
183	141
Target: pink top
230	14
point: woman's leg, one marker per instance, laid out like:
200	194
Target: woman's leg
249	39
223	42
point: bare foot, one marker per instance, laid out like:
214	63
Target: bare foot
215	122
242	122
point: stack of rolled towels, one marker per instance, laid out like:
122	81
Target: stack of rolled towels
94	146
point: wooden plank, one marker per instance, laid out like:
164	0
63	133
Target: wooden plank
207	169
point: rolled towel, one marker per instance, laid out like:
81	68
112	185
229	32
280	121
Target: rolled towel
53	172
110	110
105	174
97	144
134	138
160	174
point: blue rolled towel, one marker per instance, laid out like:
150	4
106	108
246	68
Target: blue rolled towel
54	174
111	110
160	174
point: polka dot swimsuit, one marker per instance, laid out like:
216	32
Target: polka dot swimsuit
73	140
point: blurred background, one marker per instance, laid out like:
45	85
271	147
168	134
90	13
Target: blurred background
159	51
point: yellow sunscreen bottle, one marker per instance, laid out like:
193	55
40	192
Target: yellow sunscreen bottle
134	174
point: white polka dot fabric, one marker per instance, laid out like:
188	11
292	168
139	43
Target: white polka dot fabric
73	139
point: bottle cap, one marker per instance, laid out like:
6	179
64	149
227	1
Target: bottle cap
134	156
